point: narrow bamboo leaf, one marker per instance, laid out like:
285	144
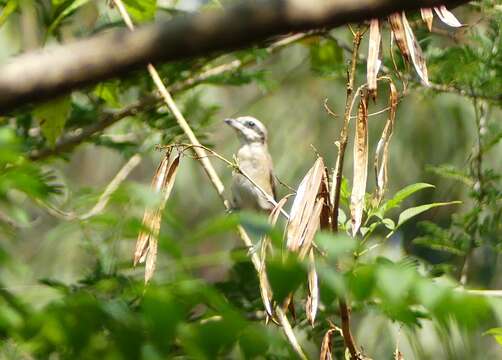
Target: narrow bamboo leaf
416	53
447	17
373	63
360	166
403	194
427	17
417	210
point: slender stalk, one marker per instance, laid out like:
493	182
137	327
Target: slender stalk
342	143
337	182
477	172
212	175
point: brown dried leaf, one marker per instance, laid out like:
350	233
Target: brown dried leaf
146	245
303	206
265	289
408	44
383	145
313	290
447	17
360	165
427	17
373	63
326	346
396	24
311	229
415	50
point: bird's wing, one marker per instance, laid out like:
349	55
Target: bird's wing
273	184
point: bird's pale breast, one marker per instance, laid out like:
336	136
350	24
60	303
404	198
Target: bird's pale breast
255	161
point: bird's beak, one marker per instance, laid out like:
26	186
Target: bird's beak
233	123
230	122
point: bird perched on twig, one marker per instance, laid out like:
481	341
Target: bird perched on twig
255	161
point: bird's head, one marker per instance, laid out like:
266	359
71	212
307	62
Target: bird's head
249	129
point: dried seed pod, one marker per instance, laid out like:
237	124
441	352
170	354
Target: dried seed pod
427	17
360	165
373	63
146	245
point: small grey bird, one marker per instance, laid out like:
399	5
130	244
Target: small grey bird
255	160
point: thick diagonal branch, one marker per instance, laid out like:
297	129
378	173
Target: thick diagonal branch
51	72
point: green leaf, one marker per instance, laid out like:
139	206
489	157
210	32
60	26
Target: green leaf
402	195
108	91
417	210
389	224
52	117
141	10
496	333
8	9
326	57
69	9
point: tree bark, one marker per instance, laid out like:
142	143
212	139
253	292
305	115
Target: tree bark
53	71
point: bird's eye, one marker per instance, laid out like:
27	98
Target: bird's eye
250	124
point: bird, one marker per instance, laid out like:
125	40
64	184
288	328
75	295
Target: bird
255	161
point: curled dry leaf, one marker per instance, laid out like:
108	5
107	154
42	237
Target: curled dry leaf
447	17
265	289
398	33
303	206
383	145
313	290
360	165
311	229
408	44
373	63
427	17
416	53
146	245
327	345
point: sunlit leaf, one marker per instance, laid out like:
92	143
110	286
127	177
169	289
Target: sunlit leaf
7	10
65	10
402	195
52	117
417	210
141	10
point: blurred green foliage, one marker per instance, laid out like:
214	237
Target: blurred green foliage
67	285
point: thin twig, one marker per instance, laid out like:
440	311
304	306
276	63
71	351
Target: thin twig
337	182
211	172
103	200
235	166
